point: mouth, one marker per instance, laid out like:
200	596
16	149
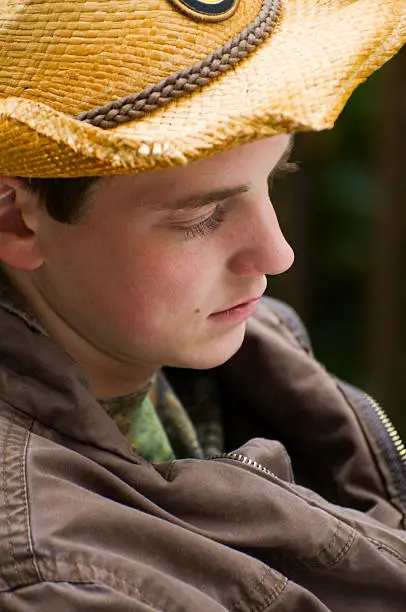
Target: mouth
238	313
239	305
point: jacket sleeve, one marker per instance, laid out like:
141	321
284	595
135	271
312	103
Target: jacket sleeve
71	597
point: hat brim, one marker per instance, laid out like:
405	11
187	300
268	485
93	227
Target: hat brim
298	80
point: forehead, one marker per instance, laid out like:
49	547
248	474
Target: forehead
222	171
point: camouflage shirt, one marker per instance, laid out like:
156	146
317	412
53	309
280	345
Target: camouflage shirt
160	428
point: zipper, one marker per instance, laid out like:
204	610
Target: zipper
377	422
387	436
246	461
389	427
379	411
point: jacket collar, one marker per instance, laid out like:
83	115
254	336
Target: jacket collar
14	302
40	379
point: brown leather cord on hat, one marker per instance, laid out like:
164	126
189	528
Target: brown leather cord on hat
190	79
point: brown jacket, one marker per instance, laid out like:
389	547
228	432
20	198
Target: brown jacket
88	525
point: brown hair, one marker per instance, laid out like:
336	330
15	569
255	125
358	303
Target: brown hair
64	198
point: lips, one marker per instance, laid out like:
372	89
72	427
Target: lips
239	305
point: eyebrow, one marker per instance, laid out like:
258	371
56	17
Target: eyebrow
204	199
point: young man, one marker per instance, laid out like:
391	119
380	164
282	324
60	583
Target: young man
136	351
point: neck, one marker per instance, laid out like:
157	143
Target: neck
110	376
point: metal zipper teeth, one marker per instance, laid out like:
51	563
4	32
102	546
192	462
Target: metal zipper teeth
383	418
389	428
246	461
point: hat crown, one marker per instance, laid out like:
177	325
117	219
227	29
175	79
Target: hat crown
76	55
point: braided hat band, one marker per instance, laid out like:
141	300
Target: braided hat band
190	79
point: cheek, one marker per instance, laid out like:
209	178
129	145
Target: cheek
154	283
167	281
130	279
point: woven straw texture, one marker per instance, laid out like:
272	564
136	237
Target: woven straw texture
60	59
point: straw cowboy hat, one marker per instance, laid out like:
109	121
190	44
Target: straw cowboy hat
115	86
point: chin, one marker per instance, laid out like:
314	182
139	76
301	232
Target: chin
214	353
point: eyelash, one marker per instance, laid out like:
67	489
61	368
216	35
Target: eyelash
282	171
205	227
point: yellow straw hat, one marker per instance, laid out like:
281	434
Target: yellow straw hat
101	87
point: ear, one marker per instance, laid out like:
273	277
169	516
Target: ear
19	244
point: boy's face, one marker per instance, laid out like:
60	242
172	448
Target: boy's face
155	256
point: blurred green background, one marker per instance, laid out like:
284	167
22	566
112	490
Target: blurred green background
344	214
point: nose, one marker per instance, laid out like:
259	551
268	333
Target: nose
262	248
